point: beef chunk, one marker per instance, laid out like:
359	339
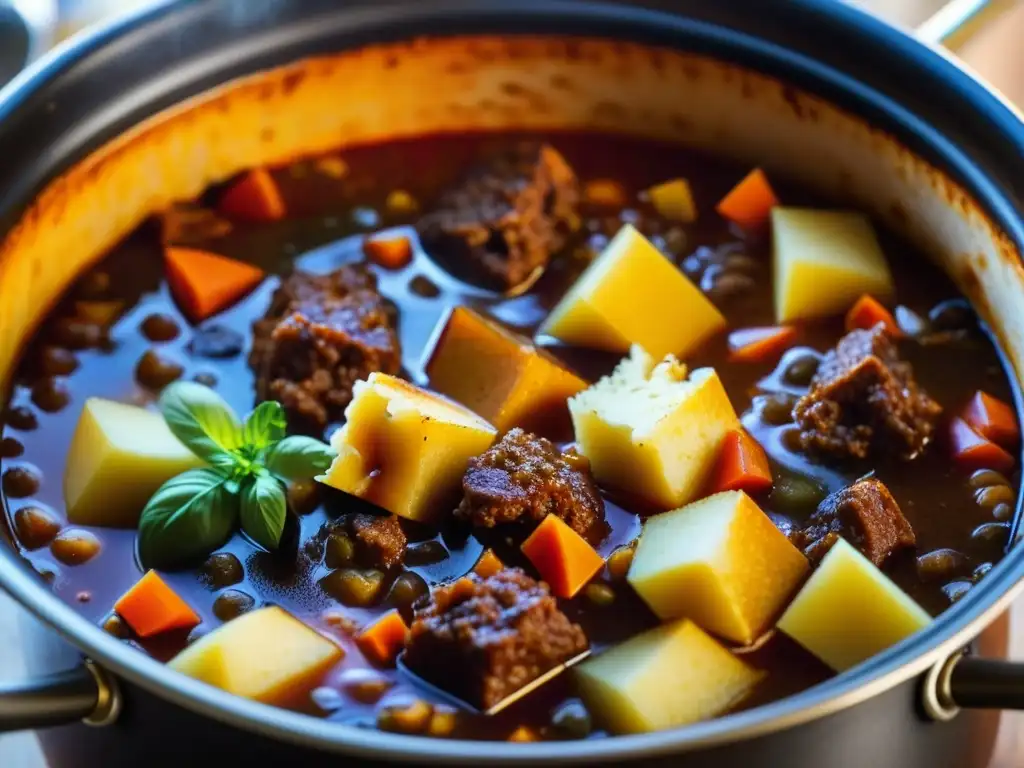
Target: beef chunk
864	398
505	218
866	515
321	335
379	540
484	639
524	478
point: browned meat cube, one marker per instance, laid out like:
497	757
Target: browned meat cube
505	218
379	540
866	515
864	398
484	639
524	478
322	334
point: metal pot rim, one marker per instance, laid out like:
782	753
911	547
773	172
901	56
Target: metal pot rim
900	663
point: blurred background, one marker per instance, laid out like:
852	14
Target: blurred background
28	28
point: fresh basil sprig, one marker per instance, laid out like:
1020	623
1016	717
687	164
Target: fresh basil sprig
294	458
264	508
201	419
243	486
190	516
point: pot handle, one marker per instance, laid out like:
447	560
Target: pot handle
964	681
959	20
84	693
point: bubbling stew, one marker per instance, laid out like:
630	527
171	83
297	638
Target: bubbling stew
514	437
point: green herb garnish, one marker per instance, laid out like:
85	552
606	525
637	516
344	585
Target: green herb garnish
197	511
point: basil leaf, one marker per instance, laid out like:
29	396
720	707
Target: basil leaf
203	421
298	458
188	517
264	508
266	425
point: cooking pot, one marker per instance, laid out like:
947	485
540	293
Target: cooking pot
159	105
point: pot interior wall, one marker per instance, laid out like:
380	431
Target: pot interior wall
491	83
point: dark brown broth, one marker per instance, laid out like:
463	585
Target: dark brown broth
325	229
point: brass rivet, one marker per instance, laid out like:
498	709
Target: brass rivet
936	691
108	697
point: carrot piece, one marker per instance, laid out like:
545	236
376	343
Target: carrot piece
253	197
562	557
992	419
867	313
742	465
760	345
605	193
488	564
388	252
750	202
382	641
204	283
151	607
972	451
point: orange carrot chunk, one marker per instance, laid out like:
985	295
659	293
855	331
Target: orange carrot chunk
972	451
992	419
204	283
760	345
488	564
382	641
750	202
388	252
867	313
742	465
151	607
563	558
253	197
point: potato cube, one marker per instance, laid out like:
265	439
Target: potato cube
849	610
119	456
674	200
824	261
667	677
501	376
651	432
267	655
719	561
405	449
632	294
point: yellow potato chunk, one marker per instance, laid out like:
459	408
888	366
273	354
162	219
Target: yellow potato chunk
667	677
500	375
824	261
674	200
405	449
119	456
267	655
719	561
849	610
650	431
632	294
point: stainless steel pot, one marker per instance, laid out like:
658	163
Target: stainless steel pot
123	122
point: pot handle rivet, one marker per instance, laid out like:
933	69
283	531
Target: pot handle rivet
108	697
937	690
